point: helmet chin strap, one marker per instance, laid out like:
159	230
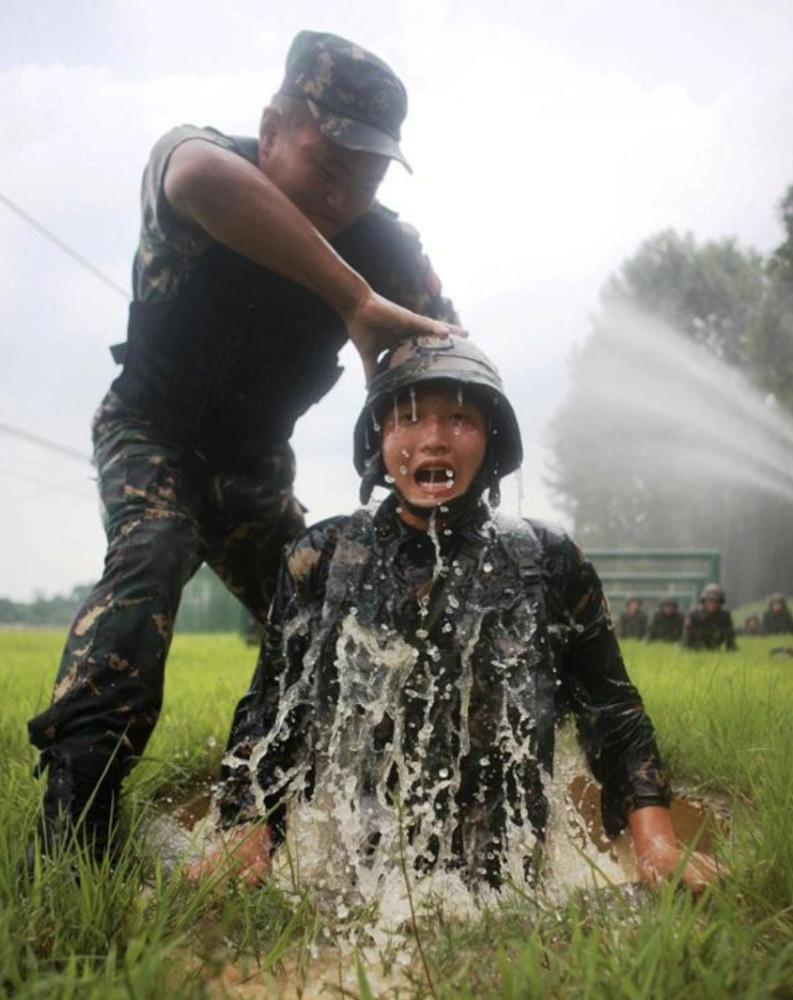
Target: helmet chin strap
453	510
486	479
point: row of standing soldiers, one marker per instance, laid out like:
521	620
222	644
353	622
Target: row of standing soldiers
708	625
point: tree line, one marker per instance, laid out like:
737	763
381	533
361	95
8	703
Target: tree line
206	607
677	430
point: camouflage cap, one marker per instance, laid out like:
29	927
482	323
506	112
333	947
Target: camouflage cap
356	99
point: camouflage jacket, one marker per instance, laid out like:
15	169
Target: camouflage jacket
632	626
777	622
665	627
224	354
708	630
436	670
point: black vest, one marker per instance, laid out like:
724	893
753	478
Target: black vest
239	353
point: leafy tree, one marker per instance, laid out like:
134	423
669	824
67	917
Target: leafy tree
664	439
770	341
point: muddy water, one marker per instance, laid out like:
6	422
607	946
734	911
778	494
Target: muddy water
578	854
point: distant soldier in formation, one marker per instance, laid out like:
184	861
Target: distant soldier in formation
632	623
777	619
752	625
709	625
666	624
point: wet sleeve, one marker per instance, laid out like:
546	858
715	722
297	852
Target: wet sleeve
615	731
269	737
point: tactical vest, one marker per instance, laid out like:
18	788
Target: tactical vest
231	361
493	725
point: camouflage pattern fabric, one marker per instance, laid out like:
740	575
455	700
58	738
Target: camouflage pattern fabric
708	629
665	626
165	512
522	617
778	620
632	626
356	99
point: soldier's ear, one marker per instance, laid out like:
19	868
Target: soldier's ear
270	126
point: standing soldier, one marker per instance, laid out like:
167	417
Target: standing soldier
258	258
709	625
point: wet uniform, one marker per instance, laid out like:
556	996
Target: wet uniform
395	669
708	629
191	446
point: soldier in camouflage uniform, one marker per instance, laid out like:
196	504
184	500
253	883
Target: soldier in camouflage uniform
422	653
258	258
777	619
666	624
632	623
709	625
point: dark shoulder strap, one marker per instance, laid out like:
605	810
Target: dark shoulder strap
522	546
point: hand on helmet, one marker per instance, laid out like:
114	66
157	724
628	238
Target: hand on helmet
376	324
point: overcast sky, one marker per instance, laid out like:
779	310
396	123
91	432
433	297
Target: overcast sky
548	139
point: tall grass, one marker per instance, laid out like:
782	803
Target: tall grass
724	724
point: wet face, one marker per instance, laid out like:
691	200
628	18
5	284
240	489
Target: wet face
332	186
434	443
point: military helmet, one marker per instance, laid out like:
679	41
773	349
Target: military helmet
714	591
426	359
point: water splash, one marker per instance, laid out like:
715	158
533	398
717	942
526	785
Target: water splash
701	419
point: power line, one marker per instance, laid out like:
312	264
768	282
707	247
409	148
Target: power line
61	449
46	484
78	257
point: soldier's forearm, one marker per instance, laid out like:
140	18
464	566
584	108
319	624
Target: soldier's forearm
238	206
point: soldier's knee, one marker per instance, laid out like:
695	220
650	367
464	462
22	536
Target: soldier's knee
160	553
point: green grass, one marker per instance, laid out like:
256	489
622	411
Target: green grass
724	724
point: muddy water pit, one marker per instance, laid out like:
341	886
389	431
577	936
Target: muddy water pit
579	855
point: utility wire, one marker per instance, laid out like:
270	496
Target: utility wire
61	449
47	485
83	262
47	234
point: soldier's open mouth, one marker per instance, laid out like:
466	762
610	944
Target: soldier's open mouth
440	476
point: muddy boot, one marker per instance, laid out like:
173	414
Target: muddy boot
79	810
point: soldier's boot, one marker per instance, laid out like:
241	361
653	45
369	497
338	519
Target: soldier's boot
79	810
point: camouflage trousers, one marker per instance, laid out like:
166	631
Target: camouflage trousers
165	510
